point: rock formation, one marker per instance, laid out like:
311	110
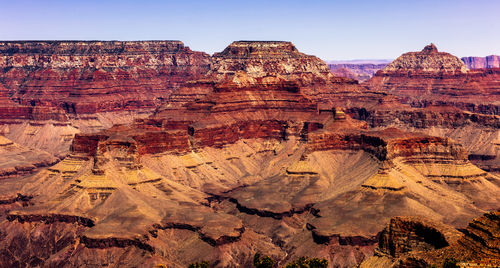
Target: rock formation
263	58
259	155
50	90
77	77
437	95
419	242
492	61
359	71
430	77
16	160
252	165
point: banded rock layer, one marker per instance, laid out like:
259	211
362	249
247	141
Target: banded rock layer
420	242
430	77
260	157
53	79
491	61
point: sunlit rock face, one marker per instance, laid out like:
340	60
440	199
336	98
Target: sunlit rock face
261	58
50	90
420	242
430	77
79	77
252	165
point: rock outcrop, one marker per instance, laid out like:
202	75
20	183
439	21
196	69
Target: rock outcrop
436	94
51	90
419	242
491	61
263	58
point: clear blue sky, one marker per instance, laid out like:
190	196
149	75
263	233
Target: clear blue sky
332	30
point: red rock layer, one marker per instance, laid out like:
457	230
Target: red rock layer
430	116
54	78
387	144
430	77
240	108
278	58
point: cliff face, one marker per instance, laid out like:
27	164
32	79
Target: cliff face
53	79
420	242
437	95
492	61
233	109
50	90
430	77
262	58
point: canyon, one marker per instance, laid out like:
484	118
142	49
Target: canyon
50	90
358	71
165	156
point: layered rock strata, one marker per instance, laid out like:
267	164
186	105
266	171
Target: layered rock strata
430	77
51	90
263	58
361	72
491	61
260	157
54	79
244	161
419	242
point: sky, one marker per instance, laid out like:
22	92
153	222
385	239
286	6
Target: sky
331	30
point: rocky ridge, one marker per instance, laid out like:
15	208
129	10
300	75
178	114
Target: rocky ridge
85	77
50	90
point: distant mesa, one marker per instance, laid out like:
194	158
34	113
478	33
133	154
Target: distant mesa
492	61
427	60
